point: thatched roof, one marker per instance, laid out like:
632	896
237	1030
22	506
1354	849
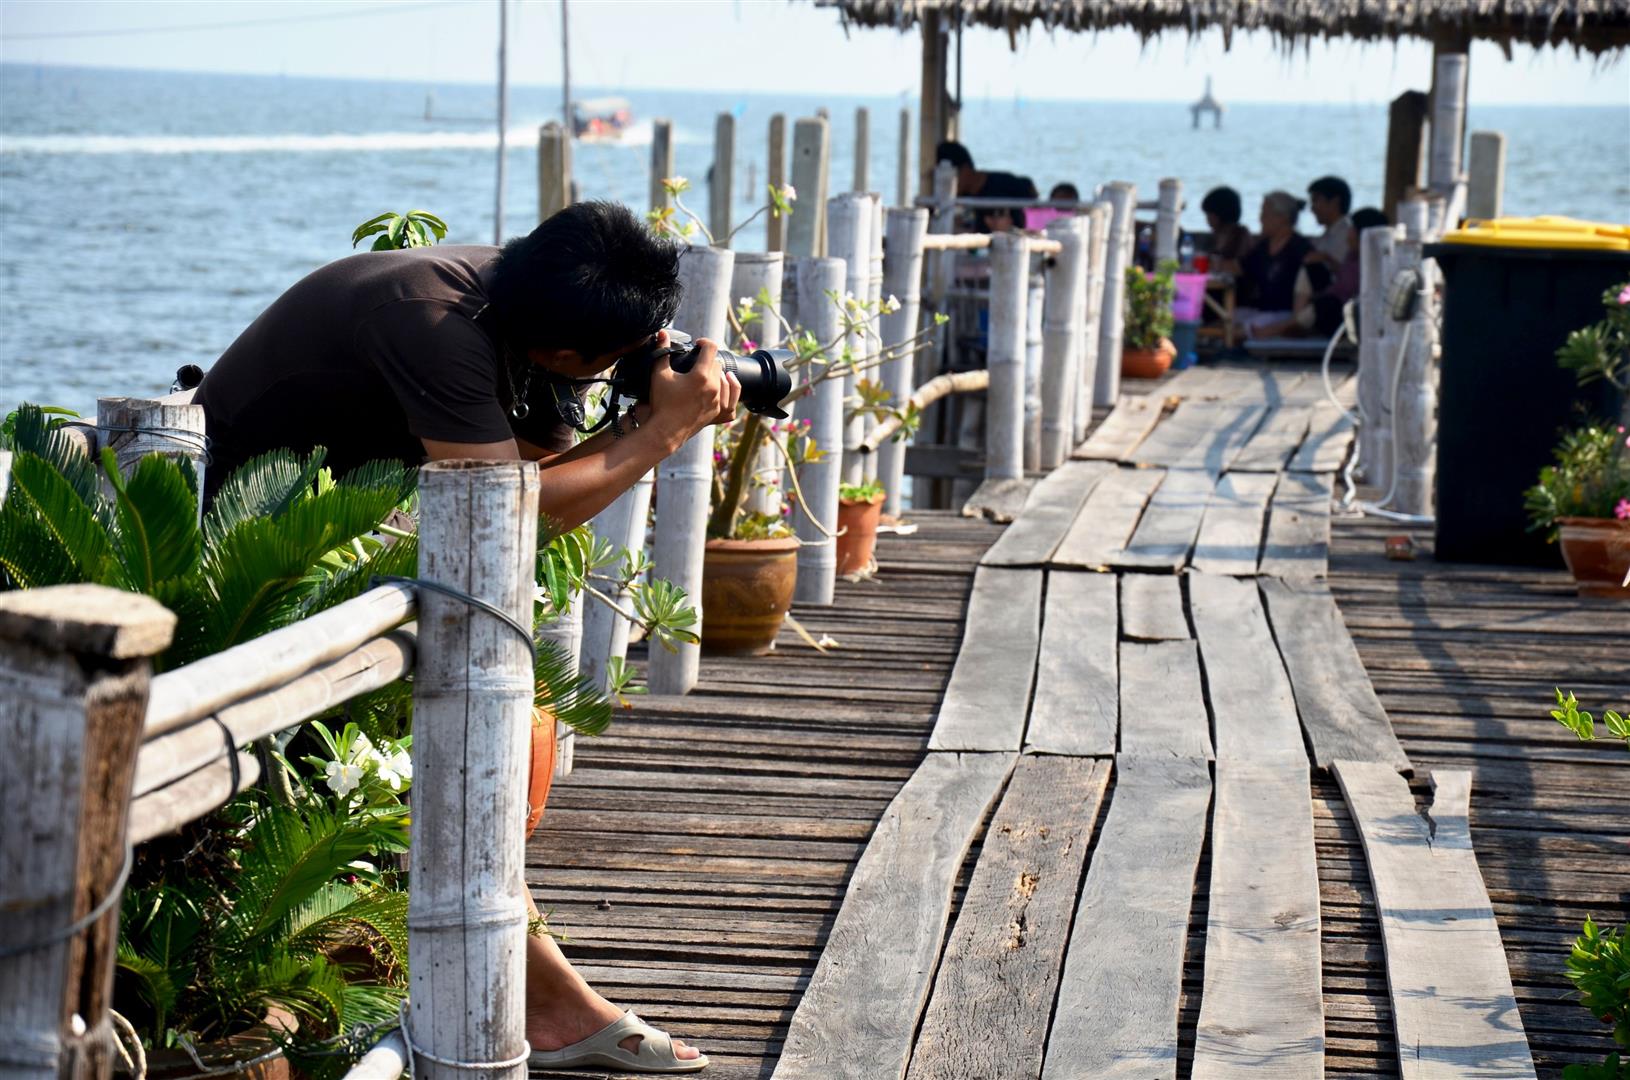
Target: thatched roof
1596	26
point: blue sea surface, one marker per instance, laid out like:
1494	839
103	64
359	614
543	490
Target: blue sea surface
147	217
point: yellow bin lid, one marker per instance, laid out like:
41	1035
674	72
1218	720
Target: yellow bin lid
1547	231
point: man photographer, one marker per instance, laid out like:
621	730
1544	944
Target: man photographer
477	352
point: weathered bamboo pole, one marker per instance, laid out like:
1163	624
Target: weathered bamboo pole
902	279
874	339
554	169
721	188
811	148
605	633
902	168
5	475
1406	132
775	174
662	162
757	272
849	237
74	664
940	386
1112	322
1444	174
685	477
200	792
863	148
1035	304
386	1061
1063	322
1098	219
1004	412
135	427
817	558
566	634
1485	175
1166	219
472	705
1377	354
1415	415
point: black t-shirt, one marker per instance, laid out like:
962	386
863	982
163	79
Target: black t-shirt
1272	277
367	356
1005	185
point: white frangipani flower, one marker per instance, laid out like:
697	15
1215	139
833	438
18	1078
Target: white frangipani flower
395	769
892	304
343	777
789	193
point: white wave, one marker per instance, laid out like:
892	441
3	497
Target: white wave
638	134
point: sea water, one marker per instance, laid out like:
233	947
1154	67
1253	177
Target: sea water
146	217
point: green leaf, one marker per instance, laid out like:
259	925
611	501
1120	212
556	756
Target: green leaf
157	535
369	227
1617	726
261	487
394	233
65	542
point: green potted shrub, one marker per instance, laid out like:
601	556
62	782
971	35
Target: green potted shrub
860	508
1147	350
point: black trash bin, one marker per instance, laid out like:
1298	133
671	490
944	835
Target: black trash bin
1502	398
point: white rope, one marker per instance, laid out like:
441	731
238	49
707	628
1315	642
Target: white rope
128	1044
452	1063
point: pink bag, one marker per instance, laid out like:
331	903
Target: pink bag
1191	297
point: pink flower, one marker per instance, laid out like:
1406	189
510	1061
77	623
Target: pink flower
1624	295
749	344
1622	511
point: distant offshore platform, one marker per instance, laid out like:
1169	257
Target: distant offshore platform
1207	104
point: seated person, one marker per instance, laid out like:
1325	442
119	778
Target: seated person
988	185
1330	199
1064	192
1324	306
1038	218
1229	239
1269	270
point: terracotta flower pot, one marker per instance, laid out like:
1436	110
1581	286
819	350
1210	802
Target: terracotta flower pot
857	521
542	772
1148	363
1597	551
746	593
244	1046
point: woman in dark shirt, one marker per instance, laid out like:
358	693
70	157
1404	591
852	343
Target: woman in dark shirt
1268	281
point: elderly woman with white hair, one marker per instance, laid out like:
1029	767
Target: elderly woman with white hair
1269	271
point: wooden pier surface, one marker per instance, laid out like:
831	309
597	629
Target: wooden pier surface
698	857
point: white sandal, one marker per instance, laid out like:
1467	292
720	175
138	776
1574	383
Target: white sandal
655	1053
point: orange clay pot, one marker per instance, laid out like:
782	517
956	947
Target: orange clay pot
746	593
1148	363
220	1054
858	536
542	772
1597	551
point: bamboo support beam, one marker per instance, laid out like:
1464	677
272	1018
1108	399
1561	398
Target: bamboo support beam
1168	210
874	296
135	427
1004	411
755	273
849	237
386	1061
566	634
662	162
1415	416
200	792
1112	323
1444	162
863	149
940	386
811	148
685	477
74	665
902	278
1063	322
817	558
181	696
1035	303
1091	338
554	170
721	186
1377	354
472	693
902	169
1485	175
775	173
605	632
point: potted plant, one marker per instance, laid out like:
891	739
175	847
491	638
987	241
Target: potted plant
1147	350
860	508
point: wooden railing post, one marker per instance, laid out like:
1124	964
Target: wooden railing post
1166	219
902	278
775	174
662	162
1123	199
1377	354
1098	219
874	294
721	188
863	149
135	427
849	237
685	477
75	661
1035	305
472	704
756	272
902	167
811	146
1416	414
1444	174
1004	400
1063	319
566	634
1485	175
818	559
554	169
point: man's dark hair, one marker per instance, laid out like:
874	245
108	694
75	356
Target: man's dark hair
1368	218
955	153
592	278
1223	202
1064	191
1333	187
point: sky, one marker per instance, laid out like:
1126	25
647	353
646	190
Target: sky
745	44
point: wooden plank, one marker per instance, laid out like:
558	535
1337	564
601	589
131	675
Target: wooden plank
1106	519
1230	538
1046	517
1166	532
1297	544
1077	703
1252	706
1177	434
1116	1017
858	1014
1122	430
998	499
1163	710
1341	715
1152	608
1275	441
989	692
994	992
1261	1009
1453	1006
1230	431
1329	435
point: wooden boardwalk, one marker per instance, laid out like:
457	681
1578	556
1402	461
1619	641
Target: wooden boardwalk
699	856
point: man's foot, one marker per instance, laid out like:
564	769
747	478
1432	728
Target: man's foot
563	1024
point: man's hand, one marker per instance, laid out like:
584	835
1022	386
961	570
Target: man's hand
683	404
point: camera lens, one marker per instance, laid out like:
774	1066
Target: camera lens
764	379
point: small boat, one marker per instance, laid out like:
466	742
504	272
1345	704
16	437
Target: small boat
601	119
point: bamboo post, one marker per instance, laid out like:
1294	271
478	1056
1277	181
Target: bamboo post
721	187
1166	219
902	278
863	148
849	229
817	558
1035	303
566	634
874	294
1406	130
1485	175
1004	412
74	670
685	477
1098	219
775	174
811	146
5	475
1123	198
1063	324
662	162
902	165
554	170
605	633
1416	413
1444	174
135	427
1377	354
754	272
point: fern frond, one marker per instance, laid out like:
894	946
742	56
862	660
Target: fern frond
574	699
157	537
